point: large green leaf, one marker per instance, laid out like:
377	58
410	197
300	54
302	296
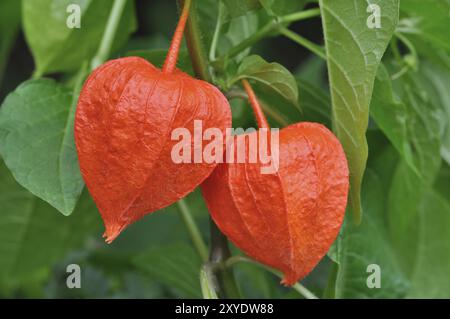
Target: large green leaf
431	276
360	246
391	115
36	141
424	121
427	20
354	52
177	266
241	7
272	75
434	80
33	236
55	46
314	103
9	25
282	7
420	269
235	31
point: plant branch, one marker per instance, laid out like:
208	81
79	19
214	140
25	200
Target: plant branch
215	39
271	27
109	34
297	286
301	15
314	48
193	230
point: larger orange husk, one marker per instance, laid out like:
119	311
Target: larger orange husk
286	220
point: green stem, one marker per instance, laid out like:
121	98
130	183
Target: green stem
195	45
409	45
302	15
108	36
239	94
226	283
215	39
193	230
207	282
254	38
297	286
223	276
272	26
316	49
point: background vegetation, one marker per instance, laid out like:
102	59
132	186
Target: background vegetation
397	77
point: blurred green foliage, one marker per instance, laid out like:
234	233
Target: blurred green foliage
405	227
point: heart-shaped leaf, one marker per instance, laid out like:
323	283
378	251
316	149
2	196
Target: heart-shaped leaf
36	141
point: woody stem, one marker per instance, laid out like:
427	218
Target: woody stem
219	250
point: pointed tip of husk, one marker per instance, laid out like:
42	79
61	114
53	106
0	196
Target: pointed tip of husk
111	232
289	279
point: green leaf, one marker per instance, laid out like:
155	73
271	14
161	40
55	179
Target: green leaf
428	20
158	56
273	75
37	144
33	236
235	31
391	116
434	80
314	103
237	8
431	278
282	7
424	123
61	48
425	24
354	52
366	244
9	26
176	266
